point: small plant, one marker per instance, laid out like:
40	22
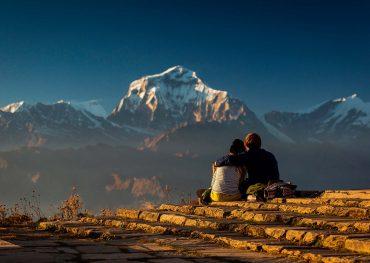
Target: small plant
26	211
31	206
13	216
71	207
3	213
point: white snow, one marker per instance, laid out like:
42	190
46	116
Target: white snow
92	106
89	108
174	89
342	107
345	105
275	132
14	107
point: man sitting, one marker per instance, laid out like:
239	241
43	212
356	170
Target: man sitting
261	165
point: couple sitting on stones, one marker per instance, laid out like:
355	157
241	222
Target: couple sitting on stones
244	158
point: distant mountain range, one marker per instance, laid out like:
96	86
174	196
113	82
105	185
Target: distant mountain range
58	125
344	120
176	101
169	127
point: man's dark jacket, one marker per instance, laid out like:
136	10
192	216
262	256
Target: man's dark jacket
261	165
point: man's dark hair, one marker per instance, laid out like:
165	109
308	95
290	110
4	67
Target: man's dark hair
237	147
252	141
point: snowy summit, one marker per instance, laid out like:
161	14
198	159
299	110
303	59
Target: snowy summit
13	107
172	97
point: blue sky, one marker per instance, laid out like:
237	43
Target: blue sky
284	55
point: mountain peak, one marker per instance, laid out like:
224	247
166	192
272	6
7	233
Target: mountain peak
176	69
13	107
353	97
347	118
175	96
177	73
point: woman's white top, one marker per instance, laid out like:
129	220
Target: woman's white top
225	180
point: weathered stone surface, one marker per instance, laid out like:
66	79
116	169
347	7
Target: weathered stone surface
358	245
365	204
128	213
275	232
347	194
255	230
67	250
47	225
186	209
334	241
98	249
299	229
173	219
115	256
295	235
210	212
6	245
149	216
362	226
312	237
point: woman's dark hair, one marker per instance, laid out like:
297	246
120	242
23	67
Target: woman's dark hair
237	147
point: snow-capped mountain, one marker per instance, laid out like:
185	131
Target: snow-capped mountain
344	119
175	96
92	106
13	107
60	124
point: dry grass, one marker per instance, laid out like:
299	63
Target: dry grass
26	211
71	207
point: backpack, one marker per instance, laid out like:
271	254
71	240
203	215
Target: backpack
279	189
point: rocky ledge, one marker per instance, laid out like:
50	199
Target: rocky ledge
334	227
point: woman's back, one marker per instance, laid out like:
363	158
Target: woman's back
226	180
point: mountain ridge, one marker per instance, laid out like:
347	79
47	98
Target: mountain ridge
342	119
162	104
177	95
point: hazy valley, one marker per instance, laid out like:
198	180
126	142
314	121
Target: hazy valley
160	139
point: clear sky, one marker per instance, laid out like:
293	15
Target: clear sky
284	55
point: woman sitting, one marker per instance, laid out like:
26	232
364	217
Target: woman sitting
227	180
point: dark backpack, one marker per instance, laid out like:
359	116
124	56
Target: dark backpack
279	189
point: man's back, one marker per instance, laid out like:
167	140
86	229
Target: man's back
261	165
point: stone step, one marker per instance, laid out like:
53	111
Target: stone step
181	241
7	245
329	210
339	224
300	235
318	221
202	248
347	194
234	240
324	201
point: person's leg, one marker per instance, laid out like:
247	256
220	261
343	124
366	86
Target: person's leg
243	188
220	197
204	196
